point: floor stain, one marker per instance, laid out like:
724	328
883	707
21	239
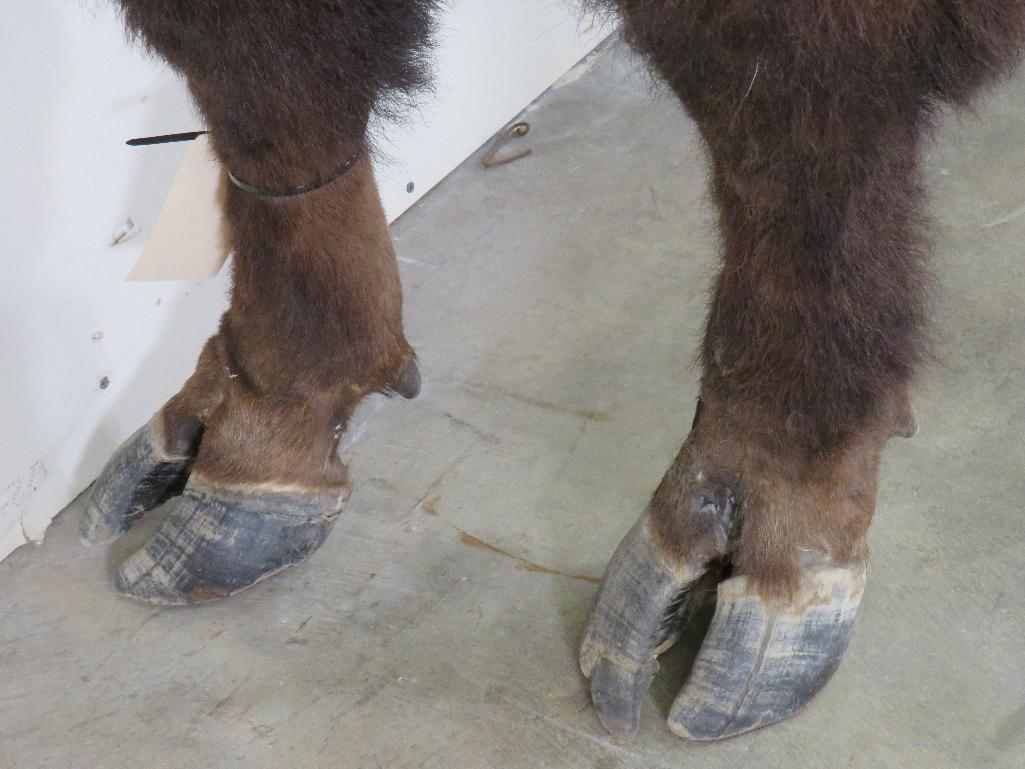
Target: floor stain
430	506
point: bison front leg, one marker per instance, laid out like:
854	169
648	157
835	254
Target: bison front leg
812	114
315	318
783	528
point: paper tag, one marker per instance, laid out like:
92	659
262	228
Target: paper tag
188	241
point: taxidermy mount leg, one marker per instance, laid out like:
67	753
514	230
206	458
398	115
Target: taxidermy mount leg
249	445
812	113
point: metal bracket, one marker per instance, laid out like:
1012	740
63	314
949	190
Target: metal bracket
515	131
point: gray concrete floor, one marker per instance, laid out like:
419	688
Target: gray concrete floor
556	304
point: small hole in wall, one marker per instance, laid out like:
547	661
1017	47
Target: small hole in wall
410	187
105	383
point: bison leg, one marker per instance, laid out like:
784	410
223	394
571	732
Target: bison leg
812	114
315	318
786	528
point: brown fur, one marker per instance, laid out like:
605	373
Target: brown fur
315	321
772	500
287	86
812	112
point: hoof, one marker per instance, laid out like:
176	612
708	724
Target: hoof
764	660
139	477
637	616
218	542
761	660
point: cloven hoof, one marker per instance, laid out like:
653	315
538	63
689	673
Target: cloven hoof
761	661
217	541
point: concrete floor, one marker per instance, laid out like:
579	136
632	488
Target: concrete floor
556	303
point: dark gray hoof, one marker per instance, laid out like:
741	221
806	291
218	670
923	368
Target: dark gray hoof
637	616
763	661
760	662
617	691
218	542
139	477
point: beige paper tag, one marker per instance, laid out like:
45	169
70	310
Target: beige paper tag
188	241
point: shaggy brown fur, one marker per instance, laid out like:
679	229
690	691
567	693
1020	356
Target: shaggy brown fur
287	86
315	321
812	112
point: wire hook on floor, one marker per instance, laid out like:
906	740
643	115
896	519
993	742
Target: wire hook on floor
515	131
